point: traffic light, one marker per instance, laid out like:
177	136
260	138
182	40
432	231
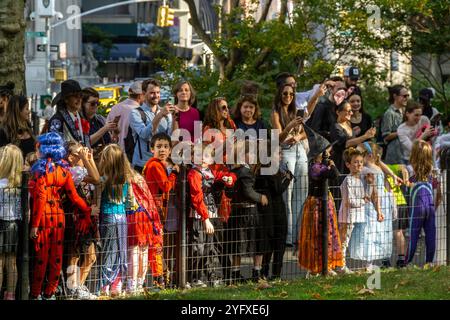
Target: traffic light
161	19
165	16
170	15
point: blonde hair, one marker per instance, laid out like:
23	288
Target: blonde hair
116	168
377	152
11	165
421	159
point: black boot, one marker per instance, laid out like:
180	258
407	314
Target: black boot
257	275
385	264
236	277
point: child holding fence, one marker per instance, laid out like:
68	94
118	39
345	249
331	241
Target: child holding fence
116	201
160	183
422	201
144	230
206	234
11	164
354	200
85	175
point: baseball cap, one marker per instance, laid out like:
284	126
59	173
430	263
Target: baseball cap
136	87
352	72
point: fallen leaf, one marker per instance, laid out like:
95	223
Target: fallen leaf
436	268
365	291
317	296
283	294
263	285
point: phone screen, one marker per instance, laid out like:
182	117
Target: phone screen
116	119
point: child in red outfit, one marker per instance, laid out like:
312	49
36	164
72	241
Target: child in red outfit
160	182
50	176
206	234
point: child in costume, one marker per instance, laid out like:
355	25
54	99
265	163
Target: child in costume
422	201
244	225
311	237
144	230
116	201
375	237
50	176
401	221
160	183
206	234
354	200
11	165
82	249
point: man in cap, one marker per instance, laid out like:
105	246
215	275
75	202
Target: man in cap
351	77
121	112
67	121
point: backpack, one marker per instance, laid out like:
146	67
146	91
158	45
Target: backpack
130	141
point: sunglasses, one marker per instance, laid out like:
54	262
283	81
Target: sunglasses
223	108
285	94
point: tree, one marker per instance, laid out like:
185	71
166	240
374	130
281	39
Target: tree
12	43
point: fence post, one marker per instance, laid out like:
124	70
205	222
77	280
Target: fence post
447	207
24	276
325	228
182	229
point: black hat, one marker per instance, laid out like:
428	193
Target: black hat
426	94
352	72
7	89
68	87
317	143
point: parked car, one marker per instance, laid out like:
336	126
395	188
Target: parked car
109	96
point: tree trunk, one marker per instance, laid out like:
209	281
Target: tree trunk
12	43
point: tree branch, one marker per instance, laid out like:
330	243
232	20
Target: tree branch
265	12
195	22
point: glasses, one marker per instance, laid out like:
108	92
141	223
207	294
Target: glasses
286	94
224	107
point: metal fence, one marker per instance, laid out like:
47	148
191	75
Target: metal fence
249	245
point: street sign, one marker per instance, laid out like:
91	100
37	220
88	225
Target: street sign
54	48
41	48
35	34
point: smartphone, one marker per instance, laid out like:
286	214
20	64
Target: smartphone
301	113
171	100
116	119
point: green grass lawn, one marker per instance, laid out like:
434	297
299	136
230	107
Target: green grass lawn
410	283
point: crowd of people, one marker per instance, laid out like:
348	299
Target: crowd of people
108	191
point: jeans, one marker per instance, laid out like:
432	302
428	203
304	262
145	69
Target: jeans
295	160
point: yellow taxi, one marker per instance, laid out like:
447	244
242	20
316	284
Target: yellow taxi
109	96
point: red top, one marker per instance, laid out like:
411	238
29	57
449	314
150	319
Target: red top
159	183
47	196
195	183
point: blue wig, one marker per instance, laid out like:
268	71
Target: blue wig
51	154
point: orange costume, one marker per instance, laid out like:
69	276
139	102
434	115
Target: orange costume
48	217
160	184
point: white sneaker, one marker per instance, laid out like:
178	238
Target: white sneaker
369	268
84	294
198	284
332	273
187	286
346	270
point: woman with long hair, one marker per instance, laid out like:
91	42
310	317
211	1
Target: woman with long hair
217	116
342	133
293	155
16	126
99	129
360	121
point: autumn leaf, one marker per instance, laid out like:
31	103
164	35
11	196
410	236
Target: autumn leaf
365	291
317	296
263	285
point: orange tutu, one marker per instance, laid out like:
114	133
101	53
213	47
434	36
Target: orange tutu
310	243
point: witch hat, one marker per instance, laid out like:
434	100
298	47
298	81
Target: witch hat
317	143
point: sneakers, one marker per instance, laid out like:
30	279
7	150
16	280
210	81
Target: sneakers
332	273
401	264
83	293
256	275
52	297
39	297
386	264
310	275
346	270
198	284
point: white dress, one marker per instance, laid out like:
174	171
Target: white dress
372	240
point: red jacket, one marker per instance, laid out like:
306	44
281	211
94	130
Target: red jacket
159	183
